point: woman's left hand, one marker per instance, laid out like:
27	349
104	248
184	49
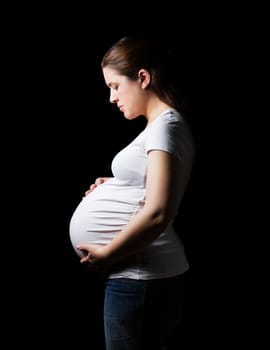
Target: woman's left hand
96	257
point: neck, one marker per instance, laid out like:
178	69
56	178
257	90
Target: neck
154	109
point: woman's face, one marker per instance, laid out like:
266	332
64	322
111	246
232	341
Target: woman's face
129	95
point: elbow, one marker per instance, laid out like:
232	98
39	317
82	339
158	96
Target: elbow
160	219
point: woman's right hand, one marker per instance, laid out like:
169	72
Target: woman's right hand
99	181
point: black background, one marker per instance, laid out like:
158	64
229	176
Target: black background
63	133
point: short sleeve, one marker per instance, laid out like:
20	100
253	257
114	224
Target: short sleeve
170	135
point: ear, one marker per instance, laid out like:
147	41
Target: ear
144	78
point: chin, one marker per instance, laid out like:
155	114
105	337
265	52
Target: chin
131	116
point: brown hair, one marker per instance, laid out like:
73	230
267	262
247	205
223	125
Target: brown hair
130	54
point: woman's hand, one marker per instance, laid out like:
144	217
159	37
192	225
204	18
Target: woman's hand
99	181
96	257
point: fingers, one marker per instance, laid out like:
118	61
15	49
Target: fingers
88	257
99	181
90	260
91	188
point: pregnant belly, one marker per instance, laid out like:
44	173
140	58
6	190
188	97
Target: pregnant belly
98	220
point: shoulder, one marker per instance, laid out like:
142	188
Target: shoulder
169	121
170	116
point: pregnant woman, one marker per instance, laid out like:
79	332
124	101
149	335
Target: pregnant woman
123	227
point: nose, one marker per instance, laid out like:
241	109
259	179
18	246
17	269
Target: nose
113	97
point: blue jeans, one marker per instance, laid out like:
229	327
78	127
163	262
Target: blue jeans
141	314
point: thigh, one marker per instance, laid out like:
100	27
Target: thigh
163	310
141	315
123	313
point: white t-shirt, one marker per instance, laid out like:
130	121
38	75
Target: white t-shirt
102	214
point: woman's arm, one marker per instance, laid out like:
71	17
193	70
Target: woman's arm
160	207
163	178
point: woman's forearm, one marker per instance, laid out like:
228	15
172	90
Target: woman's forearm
144	228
